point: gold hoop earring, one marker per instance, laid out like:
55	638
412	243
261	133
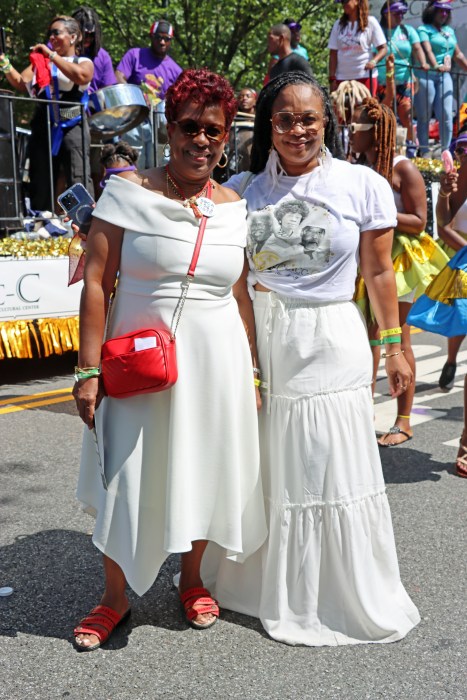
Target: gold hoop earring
224	154
166	150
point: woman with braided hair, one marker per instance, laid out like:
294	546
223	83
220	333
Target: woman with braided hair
328	573
417	258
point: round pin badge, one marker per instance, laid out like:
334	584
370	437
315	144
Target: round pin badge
206	206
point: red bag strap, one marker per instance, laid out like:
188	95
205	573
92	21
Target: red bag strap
199	239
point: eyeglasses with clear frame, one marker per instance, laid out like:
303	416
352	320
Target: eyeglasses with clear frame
191	128
311	121
353	128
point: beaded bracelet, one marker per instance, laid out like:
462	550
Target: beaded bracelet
390	331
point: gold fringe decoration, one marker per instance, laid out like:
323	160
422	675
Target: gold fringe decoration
448	285
20	339
39	248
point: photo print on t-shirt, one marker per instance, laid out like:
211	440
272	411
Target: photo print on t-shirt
293	237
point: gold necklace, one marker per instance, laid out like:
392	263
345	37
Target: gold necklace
187	201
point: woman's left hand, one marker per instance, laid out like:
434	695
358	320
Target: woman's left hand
370	65
400	376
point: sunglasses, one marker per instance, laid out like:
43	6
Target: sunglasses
353	128
162	37
283	122
55	32
191	128
461	150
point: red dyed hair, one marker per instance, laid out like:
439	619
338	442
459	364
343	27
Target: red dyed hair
204	88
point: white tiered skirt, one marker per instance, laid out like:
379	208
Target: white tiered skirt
328	574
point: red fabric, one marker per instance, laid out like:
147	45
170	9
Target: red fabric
40	64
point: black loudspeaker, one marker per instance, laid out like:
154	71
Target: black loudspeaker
10	186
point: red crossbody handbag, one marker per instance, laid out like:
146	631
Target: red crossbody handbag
145	360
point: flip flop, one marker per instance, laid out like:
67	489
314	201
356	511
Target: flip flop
102	622
395	430
198	601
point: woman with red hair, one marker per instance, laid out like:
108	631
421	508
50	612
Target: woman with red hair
182	465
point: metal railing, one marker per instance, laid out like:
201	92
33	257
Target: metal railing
12	100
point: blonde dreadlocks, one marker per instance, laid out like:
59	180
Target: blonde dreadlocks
348	96
385	135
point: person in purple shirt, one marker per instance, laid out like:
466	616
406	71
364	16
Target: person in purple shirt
104	74
154	71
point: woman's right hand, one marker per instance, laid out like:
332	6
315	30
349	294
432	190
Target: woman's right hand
88	394
448	182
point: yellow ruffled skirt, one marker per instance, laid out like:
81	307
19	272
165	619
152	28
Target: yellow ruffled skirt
417	260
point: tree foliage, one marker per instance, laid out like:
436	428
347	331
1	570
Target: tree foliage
227	37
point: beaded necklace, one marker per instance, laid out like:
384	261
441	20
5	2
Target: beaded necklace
187	201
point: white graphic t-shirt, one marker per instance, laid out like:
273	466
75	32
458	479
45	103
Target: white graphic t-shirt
354	48
304	232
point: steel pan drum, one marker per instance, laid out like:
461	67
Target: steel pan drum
116	109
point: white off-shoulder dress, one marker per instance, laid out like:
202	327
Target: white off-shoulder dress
182	464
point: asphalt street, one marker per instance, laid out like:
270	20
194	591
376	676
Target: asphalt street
47	557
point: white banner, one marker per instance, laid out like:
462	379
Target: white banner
37	288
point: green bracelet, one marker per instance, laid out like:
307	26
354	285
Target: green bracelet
391	339
86	373
376	342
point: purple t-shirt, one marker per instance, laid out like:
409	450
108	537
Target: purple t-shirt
142	66
103	71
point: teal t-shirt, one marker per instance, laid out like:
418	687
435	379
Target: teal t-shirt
400	44
443	42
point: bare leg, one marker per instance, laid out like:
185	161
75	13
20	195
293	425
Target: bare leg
453	348
405	401
190	575
461	461
114	596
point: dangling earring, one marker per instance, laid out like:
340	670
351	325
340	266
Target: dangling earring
323	150
166	151
224	154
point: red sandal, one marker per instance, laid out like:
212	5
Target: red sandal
198	601
101	622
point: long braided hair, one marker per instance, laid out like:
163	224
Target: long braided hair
363	11
88	19
385	134
262	134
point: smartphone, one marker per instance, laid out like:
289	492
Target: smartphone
2	40
79	205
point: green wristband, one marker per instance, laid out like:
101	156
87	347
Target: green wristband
87	373
376	342
392	339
